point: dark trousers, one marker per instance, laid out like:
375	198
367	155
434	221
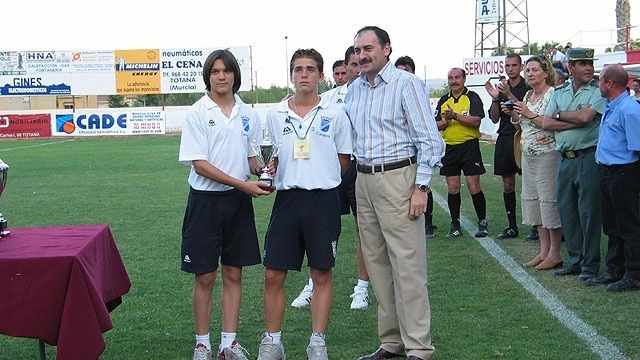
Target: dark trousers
579	206
621	219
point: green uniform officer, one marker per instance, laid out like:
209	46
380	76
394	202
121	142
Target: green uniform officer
575	112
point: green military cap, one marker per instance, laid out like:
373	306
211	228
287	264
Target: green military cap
577	54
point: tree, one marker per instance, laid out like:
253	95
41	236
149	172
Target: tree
117	101
623	20
184	99
148	100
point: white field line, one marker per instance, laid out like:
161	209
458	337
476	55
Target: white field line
37	145
600	345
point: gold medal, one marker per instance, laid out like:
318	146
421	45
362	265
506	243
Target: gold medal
301	149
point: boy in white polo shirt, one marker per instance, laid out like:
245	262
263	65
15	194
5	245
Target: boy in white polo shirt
219	220
314	138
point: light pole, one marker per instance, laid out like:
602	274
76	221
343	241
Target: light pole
286	60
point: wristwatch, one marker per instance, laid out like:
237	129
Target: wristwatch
423	188
558	116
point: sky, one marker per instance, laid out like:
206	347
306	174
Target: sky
438	36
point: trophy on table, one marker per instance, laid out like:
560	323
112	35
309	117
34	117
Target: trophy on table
266	150
4	169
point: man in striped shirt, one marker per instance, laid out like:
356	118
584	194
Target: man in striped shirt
396	146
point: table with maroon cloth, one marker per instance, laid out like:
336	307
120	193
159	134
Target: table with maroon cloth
58	284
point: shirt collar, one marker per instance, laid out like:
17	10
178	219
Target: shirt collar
386	74
283	106
210	104
620	98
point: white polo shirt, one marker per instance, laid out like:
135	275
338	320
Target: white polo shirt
336	95
328	131
207	134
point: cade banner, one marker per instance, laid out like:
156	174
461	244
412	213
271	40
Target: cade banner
110	122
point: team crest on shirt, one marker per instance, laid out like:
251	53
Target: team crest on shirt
212	122
245	123
287	130
325	123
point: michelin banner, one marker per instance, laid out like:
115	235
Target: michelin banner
118	72
112	122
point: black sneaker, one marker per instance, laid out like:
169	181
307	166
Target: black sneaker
455	231
509	233
430	231
533	235
482	229
624	284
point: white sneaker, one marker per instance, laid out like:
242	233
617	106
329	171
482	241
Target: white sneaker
234	352
304	299
317	350
270	351
201	352
360	298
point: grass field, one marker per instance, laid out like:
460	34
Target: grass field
137	187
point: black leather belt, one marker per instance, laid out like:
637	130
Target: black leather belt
572	154
372	169
622	166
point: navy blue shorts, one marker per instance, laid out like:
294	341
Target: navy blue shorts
218	225
303	221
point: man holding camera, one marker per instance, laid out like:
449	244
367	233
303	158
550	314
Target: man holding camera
458	116
511	89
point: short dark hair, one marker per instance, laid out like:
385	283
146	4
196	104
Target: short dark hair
636	80
312	54
406	61
616	74
337	63
514	56
347	54
464	73
383	36
230	63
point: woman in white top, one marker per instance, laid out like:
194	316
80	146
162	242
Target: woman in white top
539	163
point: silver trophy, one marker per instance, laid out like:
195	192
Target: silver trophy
4	169
266	151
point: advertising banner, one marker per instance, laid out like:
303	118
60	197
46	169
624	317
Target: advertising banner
137	71
118	72
487	11
55	83
181	69
110	122
25	126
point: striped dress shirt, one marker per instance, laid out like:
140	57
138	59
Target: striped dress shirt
392	121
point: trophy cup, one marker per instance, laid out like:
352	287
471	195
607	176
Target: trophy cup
4	169
266	151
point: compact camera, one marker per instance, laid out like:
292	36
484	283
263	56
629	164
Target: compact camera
509	104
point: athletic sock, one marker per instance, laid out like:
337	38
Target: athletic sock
428	216
226	339
454	207
276	336
363	283
204	340
480	204
510	207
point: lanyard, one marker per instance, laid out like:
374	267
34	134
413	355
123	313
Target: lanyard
288	120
